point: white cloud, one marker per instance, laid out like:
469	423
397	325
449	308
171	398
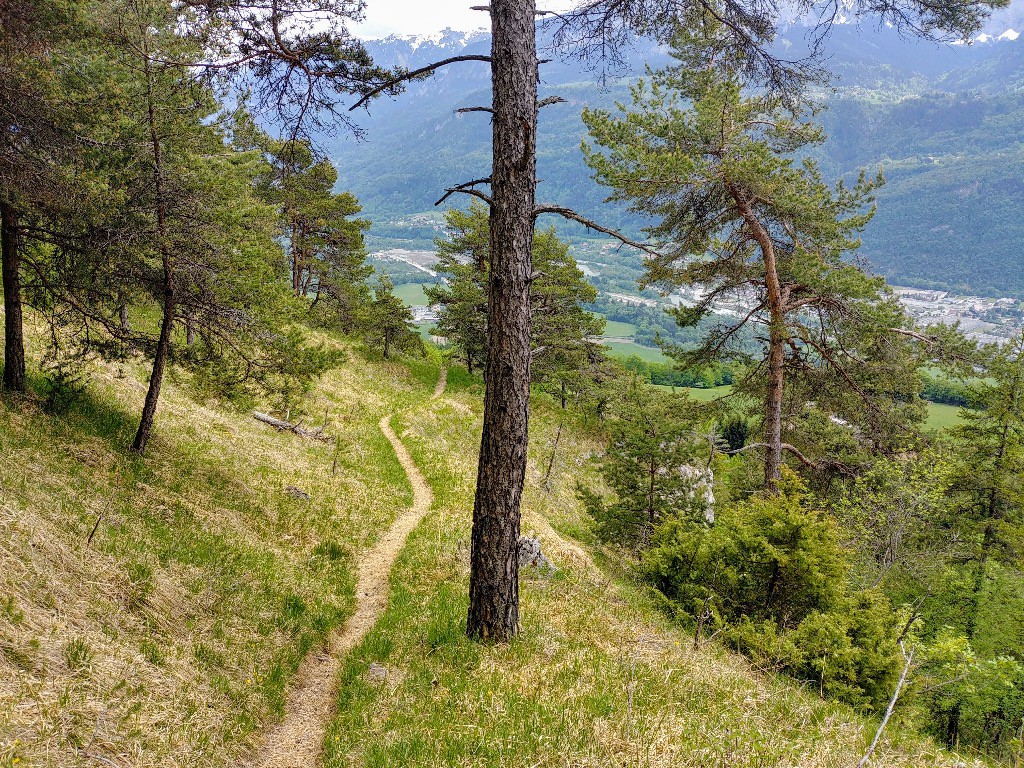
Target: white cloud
420	17
425	17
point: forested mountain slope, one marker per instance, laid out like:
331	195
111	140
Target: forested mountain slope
943	122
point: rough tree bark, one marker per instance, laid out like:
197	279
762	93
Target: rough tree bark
14	338
494	567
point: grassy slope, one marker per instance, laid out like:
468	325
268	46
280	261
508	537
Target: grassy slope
941	416
170	639
616	329
598	677
627	348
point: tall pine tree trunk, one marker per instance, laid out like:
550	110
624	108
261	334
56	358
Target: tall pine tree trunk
14	337
163	346
494	567
776	341
773	401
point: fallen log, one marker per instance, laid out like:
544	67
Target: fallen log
298	429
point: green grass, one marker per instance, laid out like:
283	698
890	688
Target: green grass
941	416
175	631
412	294
704	394
619	330
598	676
627	348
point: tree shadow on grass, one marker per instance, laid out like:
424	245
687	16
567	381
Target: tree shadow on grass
85	410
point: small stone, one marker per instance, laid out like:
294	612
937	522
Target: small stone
377	673
297	493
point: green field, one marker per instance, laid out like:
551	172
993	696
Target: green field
412	294
627	348
942	416
708	394
618	330
939	416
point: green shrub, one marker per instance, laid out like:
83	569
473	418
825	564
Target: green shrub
771	557
735	431
772	576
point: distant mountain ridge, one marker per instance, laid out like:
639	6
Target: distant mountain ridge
945	122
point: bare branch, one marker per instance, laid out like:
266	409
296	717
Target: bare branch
429	69
463	110
786	447
892	704
466	187
569	213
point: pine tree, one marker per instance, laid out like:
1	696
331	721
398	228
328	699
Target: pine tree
389	321
652	446
202	245
327	256
461	297
711	161
44	62
988	484
561	330
602	26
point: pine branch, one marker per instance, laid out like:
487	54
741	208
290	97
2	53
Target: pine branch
468	189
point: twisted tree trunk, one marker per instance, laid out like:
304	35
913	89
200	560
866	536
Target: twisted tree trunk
494	568
776	339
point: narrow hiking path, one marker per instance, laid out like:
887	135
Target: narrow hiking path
297	741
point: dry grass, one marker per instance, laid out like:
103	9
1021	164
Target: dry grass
171	638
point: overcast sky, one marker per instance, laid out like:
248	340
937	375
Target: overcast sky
420	17
423	17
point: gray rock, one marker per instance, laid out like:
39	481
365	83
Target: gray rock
530	554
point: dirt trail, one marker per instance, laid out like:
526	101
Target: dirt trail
297	741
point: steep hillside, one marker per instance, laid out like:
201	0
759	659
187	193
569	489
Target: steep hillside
936	118
154	612
598	678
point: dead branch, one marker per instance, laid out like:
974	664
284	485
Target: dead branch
569	213
549	100
545	102
298	429
466	187
888	712
429	69
786	447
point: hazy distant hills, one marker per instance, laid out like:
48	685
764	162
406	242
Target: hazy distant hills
946	123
